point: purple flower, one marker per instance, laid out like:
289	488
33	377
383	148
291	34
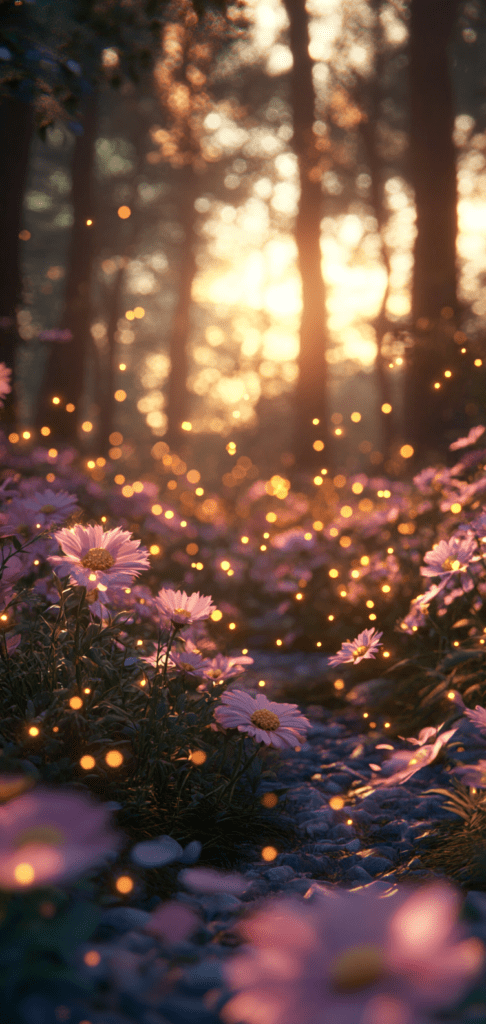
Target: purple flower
351	958
99	559
276	725
449	556
365	645
183	609
477	717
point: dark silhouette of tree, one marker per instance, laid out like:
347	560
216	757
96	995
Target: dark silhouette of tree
312	385
16	127
66	368
433	176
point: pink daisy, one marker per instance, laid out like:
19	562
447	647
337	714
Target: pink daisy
183	609
352	958
365	646
276	725
49	836
5	382
97	559
449	556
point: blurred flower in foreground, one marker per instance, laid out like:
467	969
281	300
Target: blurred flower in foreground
276	725
172	922
464	442
352	958
405	763
50	836
5	388
183	609
99	559
365	646
449	556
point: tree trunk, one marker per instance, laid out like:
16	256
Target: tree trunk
67	362
311	388
433	176
178	397
16	127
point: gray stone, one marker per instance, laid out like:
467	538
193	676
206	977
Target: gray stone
357	874
219	903
123	919
375	865
279	874
203	976
353	846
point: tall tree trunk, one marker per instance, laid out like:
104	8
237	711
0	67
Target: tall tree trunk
433	175
178	397
16	128
67	362
311	388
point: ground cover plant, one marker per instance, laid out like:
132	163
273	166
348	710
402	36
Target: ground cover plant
137	763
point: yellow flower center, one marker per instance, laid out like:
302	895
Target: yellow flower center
451	563
98	558
265	720
48	509
182	611
214	673
359	651
49	834
186	666
356	968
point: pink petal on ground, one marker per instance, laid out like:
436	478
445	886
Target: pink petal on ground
210	881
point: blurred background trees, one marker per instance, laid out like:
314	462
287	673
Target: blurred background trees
256	222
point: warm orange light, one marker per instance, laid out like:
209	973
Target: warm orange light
124	212
87	762
92	958
34	731
198	756
478	362
70	407
269	853
56	400
456	508
75	703
87	426
24	873
386	407
216	615
120	395
318	446
336	802
339	684
114	758
406	451
186	425
124	884
45	431
232	625
269	800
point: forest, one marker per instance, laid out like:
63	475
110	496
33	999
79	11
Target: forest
242	523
